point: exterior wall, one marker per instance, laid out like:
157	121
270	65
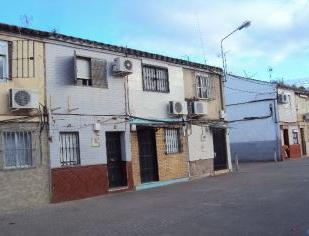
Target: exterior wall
254	133
149	104
202	167
302	107
28	187
91	105
170	166
287	112
214	104
34	83
24	187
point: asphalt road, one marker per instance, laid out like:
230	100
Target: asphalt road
262	199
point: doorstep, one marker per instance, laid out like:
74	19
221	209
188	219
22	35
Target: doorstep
221	172
118	189
160	183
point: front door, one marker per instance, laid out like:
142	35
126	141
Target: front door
219	140
147	155
115	165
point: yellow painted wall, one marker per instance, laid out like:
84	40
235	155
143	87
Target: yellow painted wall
214	104
33	83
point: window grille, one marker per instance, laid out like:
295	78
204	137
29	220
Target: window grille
69	148
172	141
155	79
295	137
17	149
203	86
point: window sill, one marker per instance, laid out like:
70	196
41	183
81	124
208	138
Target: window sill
154	91
18	168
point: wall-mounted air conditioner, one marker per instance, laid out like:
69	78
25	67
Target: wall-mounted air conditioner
23	99
283	98
122	66
176	108
199	108
306	117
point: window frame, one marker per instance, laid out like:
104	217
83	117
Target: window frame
155	68
206	87
169	151
78	159
295	137
5	54
84	82
17	159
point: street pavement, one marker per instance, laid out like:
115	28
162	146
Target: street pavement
261	199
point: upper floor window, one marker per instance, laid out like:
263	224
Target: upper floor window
155	79
17	149
203	86
90	71
3	60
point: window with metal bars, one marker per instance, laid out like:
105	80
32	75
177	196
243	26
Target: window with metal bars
203	86
155	79
295	137
17	149
69	148
172	141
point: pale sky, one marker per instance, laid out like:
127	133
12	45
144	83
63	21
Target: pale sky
277	38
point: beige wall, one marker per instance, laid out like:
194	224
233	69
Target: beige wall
20	72
214	104
302	106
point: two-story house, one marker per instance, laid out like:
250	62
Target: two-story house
302	108
207	131
24	165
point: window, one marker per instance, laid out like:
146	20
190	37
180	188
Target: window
3	60
91	72
203	86
155	79
17	149
172	141
83	70
295	136
69	148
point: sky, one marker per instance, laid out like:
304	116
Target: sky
190	30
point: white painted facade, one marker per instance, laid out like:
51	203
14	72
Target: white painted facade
78	108
200	143
153	105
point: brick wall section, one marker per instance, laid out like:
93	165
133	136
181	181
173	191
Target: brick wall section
295	151
171	166
135	159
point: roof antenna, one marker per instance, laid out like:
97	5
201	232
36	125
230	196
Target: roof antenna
25	20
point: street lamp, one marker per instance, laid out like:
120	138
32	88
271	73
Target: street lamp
244	25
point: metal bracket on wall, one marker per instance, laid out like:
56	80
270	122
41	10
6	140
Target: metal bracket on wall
69	105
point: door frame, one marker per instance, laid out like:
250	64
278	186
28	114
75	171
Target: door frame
123	169
156	166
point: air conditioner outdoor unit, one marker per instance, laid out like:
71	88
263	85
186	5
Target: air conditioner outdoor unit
176	108
23	99
283	98
122	66
306	117
199	108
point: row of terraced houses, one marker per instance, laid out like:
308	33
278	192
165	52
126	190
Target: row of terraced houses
80	118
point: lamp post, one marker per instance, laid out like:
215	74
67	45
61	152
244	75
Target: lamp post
246	24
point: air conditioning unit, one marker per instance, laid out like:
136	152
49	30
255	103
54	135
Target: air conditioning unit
306	117
23	99
176	108
283	98
199	108
222	115
122	66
